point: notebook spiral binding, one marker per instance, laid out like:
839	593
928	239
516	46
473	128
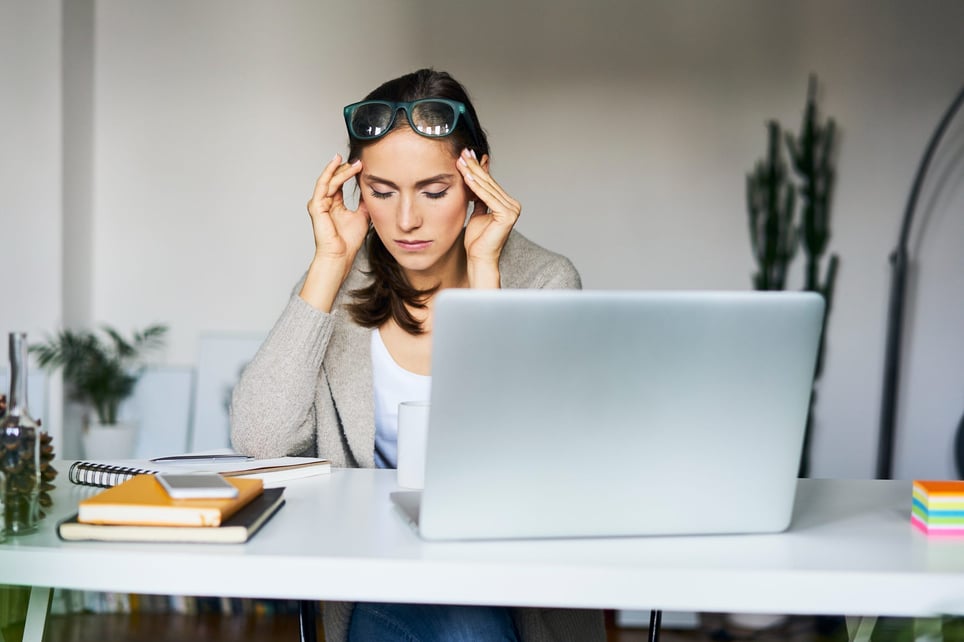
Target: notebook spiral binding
103	475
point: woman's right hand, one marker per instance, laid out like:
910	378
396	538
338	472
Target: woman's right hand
339	233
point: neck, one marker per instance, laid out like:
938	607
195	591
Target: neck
450	272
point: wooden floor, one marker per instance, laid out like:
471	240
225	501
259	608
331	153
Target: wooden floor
150	627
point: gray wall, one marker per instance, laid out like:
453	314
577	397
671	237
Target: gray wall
624	128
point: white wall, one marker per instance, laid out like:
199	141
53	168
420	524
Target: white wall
30	177
660	203
30	186
625	128
212	122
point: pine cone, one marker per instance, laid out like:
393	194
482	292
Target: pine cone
10	463
47	472
17	465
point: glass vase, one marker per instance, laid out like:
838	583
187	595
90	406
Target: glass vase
24	451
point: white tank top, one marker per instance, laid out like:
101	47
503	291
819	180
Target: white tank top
393	384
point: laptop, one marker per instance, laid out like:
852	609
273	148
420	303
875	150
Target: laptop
566	413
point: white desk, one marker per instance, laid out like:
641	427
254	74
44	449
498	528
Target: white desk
850	550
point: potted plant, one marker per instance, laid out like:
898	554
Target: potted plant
775	229
101	373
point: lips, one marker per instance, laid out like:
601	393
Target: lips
413	245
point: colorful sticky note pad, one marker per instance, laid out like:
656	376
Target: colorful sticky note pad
937	507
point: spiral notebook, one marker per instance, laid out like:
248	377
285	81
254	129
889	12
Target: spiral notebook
271	471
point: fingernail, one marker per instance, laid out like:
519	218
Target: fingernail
472	151
463	163
468	177
336	157
466	152
356	163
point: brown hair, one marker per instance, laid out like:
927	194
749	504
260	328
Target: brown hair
390	295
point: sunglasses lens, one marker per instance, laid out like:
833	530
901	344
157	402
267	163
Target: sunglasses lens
371	120
433	118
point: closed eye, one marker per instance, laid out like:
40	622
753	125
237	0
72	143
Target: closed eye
437	195
377	194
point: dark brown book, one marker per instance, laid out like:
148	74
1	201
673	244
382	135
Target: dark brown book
237	529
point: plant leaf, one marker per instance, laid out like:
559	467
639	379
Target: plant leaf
100	374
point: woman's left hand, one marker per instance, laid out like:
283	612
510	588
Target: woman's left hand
493	217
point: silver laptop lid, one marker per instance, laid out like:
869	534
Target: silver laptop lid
596	413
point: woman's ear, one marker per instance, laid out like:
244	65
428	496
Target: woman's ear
484	162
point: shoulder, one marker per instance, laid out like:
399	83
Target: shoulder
525	264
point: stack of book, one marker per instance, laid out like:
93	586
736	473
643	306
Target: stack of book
938	507
140	510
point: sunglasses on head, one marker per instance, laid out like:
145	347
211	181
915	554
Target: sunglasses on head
430	117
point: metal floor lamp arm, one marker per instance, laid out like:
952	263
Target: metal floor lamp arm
895	308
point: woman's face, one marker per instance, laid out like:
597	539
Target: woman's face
417	201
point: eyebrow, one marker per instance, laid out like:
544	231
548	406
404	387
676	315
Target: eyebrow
438	178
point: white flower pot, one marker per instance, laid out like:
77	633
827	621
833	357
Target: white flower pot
115	441
755	621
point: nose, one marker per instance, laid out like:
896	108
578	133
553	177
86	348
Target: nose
408	217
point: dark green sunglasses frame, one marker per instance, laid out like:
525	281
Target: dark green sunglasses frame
458	109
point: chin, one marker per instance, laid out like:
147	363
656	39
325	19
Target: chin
417	263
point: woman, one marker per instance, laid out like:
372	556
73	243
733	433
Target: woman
355	338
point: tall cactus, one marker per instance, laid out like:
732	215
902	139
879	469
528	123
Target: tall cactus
771	204
812	155
774	234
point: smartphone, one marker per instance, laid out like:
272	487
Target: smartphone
196	486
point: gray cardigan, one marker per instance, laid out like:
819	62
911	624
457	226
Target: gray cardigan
308	390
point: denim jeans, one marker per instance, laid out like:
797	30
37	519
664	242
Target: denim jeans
429	622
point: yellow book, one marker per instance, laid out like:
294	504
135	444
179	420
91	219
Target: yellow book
143	501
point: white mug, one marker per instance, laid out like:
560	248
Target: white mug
412	433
